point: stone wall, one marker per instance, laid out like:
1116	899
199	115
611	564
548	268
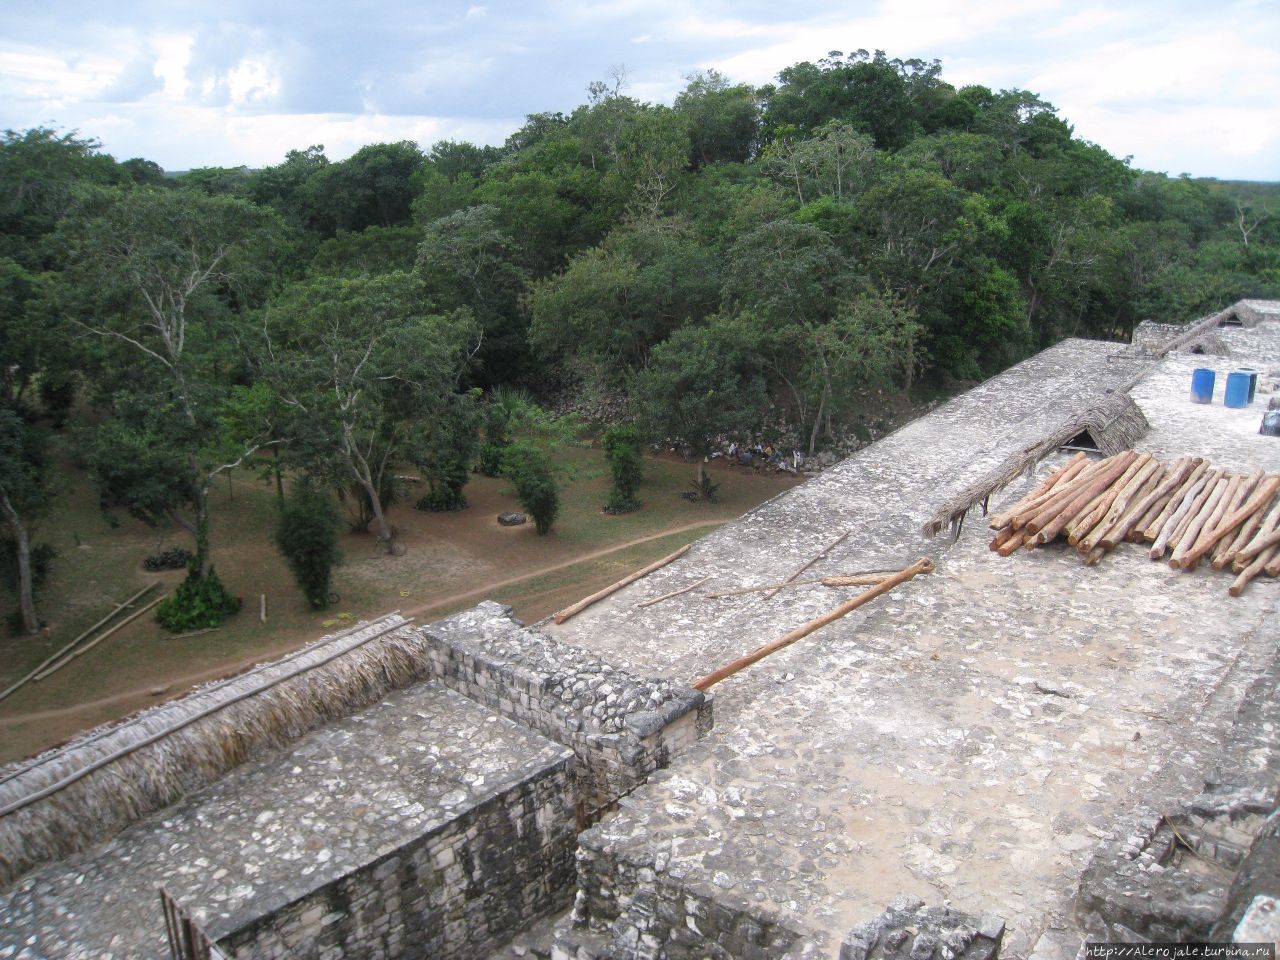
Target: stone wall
458	891
621	727
630	905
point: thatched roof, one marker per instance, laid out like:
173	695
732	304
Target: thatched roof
1114	423
93	787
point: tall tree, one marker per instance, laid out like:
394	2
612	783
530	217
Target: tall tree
159	279
370	375
25	495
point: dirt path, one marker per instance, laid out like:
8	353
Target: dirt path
139	697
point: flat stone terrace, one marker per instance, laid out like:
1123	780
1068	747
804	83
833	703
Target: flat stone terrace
970	737
271	831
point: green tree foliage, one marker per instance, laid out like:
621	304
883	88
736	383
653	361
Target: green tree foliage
621	444
307	536
201	601
604	313
158	280
704	382
468	260
529	469
26	494
370	377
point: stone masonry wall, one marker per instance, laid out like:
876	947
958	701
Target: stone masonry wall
628	908
457	891
620	726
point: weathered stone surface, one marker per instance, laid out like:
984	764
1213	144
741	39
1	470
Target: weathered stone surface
908	928
969	738
393	820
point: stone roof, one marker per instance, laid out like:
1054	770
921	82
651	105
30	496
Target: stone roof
970	738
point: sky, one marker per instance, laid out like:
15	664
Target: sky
1181	86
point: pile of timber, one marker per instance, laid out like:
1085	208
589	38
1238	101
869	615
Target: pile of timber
1187	509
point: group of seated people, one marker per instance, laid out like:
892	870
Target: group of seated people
765	454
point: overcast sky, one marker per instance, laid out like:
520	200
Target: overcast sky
1181	86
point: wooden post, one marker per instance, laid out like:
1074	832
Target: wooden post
923	565
262	608
581	605
97	640
1256	503
65	649
673	593
809	563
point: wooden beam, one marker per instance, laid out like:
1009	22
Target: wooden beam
923	565
581	605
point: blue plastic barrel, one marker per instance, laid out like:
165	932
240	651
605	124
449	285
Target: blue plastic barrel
1202	385
1237	389
1253	381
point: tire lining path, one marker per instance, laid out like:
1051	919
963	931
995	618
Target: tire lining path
182	684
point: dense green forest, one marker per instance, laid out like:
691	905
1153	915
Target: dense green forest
745	252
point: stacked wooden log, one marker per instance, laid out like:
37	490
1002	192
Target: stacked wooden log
1187	509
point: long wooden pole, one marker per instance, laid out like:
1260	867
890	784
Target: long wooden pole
581	605
61	652
673	593
1260	499
1153	528
809	563
923	565
1178	475
1068	471
864	578
97	640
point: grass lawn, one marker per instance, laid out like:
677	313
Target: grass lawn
452	561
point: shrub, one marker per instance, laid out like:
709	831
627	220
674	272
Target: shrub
447	480
622	450
308	538
175	558
198	602
529	471
489	462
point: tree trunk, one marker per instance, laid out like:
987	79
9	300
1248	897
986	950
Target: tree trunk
203	559
22	545
279	478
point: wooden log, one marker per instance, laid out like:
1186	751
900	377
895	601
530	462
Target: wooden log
856	580
1087	481
1094	511
582	604
1064	493
1210	508
1003	536
1220	553
1010	547
1259	544
66	648
1131	521
1252	570
862	577
1191	502
809	563
1052	526
1147	474
1094	555
96	640
1270	522
1226	525
673	593
1153	528
1063	474
1272	569
923	565
1237	543
1124	508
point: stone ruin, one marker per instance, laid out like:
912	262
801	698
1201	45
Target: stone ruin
1006	756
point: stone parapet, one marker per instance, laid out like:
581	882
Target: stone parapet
622	727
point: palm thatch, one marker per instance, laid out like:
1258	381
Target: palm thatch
90	789
1114	423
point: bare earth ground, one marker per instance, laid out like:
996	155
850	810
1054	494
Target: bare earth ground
452	561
